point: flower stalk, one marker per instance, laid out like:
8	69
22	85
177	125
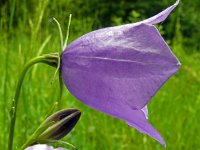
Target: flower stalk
50	59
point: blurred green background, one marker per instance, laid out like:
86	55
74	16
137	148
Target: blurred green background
26	31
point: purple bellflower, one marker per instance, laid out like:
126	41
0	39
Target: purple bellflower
117	70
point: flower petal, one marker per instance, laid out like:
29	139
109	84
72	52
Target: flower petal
118	71
40	147
143	126
160	17
43	147
130	66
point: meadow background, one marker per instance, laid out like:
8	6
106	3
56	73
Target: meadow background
25	32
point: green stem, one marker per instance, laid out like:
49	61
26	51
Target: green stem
61	91
12	14
50	59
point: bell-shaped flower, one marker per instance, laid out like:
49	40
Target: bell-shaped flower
117	70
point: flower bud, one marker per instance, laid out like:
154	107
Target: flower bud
63	122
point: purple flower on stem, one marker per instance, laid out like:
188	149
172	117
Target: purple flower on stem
117	70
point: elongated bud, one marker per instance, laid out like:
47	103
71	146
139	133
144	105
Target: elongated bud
62	123
54	127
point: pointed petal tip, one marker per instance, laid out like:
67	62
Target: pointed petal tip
177	2
162	142
146	128
155	134
164	145
160	17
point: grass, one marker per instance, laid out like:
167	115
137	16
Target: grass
174	111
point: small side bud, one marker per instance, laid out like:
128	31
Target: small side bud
64	122
54	127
